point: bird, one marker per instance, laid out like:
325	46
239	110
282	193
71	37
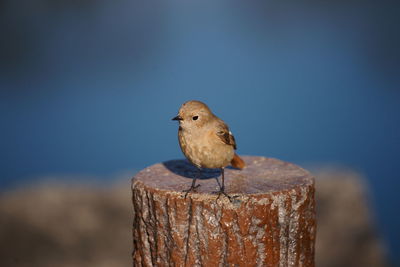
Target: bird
206	141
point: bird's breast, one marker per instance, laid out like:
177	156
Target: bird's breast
205	149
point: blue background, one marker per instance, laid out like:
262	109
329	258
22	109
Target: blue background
90	87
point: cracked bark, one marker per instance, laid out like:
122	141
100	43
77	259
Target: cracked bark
271	222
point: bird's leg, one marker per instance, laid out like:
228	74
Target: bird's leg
223	179
193	187
222	187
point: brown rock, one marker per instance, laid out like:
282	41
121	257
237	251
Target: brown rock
347	234
270	222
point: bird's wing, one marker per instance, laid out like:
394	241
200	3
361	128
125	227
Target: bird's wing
225	135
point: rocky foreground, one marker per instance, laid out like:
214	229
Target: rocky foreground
90	225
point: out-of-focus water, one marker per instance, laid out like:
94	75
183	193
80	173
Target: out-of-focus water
91	87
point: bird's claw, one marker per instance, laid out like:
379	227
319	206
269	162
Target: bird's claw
222	192
192	188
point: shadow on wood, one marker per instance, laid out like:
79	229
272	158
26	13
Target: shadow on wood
186	169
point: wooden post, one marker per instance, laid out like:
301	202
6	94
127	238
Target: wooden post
270	222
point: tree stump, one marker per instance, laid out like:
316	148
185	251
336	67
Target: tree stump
269	222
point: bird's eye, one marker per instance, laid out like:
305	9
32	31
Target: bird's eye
195	117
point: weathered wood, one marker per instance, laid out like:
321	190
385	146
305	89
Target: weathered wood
271	222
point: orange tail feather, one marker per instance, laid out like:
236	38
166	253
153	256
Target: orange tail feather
237	162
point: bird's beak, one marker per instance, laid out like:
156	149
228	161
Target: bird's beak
177	118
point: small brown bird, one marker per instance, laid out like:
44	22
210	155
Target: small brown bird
205	140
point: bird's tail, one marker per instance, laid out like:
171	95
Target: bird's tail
237	162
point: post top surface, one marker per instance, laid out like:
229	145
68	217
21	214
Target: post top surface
261	175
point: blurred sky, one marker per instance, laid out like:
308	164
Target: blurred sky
90	87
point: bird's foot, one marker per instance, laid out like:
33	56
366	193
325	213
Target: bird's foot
222	192
191	189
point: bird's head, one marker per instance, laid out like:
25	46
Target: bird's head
193	114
